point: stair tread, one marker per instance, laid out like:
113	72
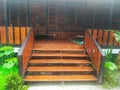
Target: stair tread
59	54
42	61
59	68
81	49
60	78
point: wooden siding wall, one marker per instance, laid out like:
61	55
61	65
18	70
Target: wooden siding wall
56	16
104	37
16	35
2	21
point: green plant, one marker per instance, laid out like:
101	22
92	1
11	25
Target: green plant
15	82
9	63
117	35
110	66
110	76
110	79
109	57
5	53
9	77
117	61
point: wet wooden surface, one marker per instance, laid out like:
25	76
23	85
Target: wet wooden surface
56	44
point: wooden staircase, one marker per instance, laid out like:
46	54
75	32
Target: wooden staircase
59	65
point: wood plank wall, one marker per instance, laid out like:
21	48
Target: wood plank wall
61	18
16	35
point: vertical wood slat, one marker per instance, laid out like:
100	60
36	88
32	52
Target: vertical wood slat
111	38
105	38
93	52
10	35
3	34
23	34
95	34
17	35
28	29
100	34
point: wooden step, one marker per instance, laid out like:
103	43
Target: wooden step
55	61
60	69
32	78
62	50
58	55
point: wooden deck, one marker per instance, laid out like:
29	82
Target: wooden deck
56	45
59	60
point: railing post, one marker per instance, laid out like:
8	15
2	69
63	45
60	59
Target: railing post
101	72
20	66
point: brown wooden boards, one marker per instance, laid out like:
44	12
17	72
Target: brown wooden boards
17	35
10	35
3	34
61	78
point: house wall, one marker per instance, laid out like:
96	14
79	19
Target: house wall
48	16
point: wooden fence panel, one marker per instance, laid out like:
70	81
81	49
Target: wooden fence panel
3	34
100	34
95	34
23	34
17	35
110	38
115	42
105	38
10	35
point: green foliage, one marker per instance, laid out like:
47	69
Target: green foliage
9	63
117	35
77	41
109	57
5	53
15	82
117	61
110	66
9	77
110	79
110	76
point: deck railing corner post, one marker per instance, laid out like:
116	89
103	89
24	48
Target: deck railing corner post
20	67
101	72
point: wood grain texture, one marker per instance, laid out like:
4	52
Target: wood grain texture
60	69
10	35
23	34
3	34
17	35
61	78
53	61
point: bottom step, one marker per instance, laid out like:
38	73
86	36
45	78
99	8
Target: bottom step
38	78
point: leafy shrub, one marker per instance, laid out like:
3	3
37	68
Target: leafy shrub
110	79
117	61
5	53
117	35
9	77
15	82
110	76
109	57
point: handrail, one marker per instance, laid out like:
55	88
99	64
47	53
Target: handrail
25	52
97	45
95	54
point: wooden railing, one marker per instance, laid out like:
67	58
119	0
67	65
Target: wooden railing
25	52
104	38
13	35
95	54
